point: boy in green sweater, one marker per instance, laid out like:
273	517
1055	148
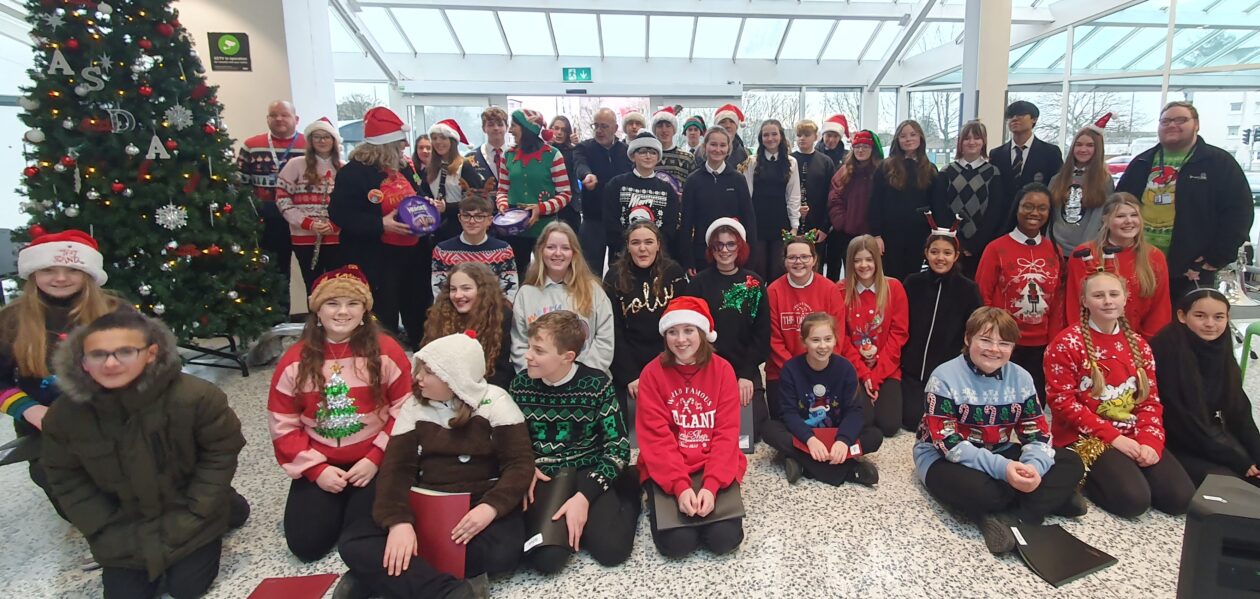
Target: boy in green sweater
575	423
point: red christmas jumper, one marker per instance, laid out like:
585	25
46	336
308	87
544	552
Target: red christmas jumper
789	305
1147	315
1023	280
872	341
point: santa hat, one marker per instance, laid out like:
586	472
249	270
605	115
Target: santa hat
633	115
688	310
725	221
836	123
642	212
382	126
347	281
1100	124
696	121
728	111
532	121
868	138
665	115
460	362
71	248
324	125
644	140
449	129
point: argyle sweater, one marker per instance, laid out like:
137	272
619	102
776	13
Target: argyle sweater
495	253
969	417
1023	280
575	424
1147	315
677	163
1117	411
260	163
975	194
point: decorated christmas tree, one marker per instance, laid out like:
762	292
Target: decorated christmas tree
126	142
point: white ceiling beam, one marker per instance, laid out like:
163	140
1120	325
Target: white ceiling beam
695	24
903	40
738	36
551	31
870	40
360	31
389	12
827	42
783	41
503	34
451	29
1230	48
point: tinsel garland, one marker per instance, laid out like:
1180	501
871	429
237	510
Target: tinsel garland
743	295
337	416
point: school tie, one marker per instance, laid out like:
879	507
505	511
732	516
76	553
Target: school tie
498	161
1018	165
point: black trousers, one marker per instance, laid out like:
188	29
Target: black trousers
594	242
275	240
837	246
1198	469
329	259
976	494
314	518
1179	285
1031	358
779	437
885	412
403	290
912	390
720	537
523	247
611	523
765	257
495	551
1117	484
760	408
902	256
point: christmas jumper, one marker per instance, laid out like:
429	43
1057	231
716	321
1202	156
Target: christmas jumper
687	420
973	191
489	457
495	253
1147	315
789	305
1077	414
339	424
576	423
870	340
741	316
707	196
939	308
633	195
824	398
678	164
1072	224
532	302
816	172
969	416
263	156
1024	280
302	203
539	177
635	315
775	188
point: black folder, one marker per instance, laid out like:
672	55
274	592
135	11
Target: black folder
21	449
726	505
549	497
1056	556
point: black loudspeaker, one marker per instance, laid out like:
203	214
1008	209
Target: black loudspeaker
1220	552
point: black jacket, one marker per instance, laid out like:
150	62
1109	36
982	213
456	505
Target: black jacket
939	308
1043	161
1214	206
739	153
360	219
706	198
590	158
816	184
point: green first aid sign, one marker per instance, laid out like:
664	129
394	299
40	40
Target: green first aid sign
577	74
230	52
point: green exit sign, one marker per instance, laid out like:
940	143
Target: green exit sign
577	74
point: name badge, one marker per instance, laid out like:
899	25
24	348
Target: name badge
1163	199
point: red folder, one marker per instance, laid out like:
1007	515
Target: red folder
436	515
294	587
828	437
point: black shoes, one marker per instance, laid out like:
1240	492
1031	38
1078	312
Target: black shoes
864	472
792	469
351	587
996	529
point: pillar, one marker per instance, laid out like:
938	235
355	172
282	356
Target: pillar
986	52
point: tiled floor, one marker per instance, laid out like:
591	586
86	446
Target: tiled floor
808	540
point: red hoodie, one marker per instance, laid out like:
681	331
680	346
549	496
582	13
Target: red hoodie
688	421
1147	315
789	305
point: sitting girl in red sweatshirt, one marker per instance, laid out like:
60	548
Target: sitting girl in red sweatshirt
688	422
795	295
333	399
1100	378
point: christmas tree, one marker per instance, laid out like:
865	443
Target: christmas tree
126	142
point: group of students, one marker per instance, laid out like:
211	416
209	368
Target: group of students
516	381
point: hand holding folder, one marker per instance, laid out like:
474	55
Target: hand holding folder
541	529
828	438
436	516
727	504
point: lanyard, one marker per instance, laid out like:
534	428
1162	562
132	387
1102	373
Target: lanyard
1183	160
275	161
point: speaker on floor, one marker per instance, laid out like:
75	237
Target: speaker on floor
1220	552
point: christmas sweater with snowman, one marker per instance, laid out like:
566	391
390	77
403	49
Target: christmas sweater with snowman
339	423
872	340
1077	413
1021	275
688	421
824	398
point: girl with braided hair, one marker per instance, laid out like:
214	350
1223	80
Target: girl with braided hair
1100	378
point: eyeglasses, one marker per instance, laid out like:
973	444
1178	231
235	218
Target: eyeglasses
987	343
124	355
729	246
324	137
798	259
1180	120
601	126
473	218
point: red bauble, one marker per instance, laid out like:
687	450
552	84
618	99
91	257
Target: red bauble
213	100
37	231
210	129
214	250
145	44
146	91
187	250
165	30
117	187
171	145
72	44
30	171
227	208
200	91
67	161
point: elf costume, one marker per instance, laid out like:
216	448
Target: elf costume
537	177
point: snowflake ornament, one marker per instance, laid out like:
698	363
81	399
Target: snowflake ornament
171	216
52	20
179	117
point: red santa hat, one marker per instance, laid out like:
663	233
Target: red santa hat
324	125
382	126
450	129
665	115
728	111
836	123
1100	124
688	310
71	248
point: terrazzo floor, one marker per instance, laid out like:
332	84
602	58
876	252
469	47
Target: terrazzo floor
807	540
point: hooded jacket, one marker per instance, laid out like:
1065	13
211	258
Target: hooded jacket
143	472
